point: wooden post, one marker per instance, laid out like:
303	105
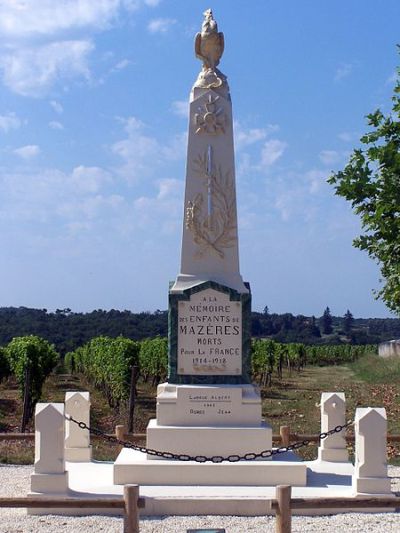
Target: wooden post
285	435
27	398
283	510
131	517
132	394
120	434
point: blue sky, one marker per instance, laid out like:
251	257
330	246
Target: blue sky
93	119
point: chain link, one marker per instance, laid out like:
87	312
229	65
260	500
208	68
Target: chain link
234	458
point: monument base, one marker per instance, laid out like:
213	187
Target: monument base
49	483
371	485
78	455
208	441
333	455
134	467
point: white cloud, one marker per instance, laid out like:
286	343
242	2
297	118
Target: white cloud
55	125
9	121
41	41
30	71
329	157
160	25
46	17
136	150
152	3
58	108
176	148
121	65
290	192
283	205
272	151
163	211
52	195
245	137
142	154
344	70
180	108
90	179
89	207
316	180
28	151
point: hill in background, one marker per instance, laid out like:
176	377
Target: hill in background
68	330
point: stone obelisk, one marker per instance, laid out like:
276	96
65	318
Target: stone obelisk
208	407
209	403
209	304
210	237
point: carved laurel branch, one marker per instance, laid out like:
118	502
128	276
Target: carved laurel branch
218	231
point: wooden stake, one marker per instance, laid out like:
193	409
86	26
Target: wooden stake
120	434
131	517
132	397
27	398
283	510
285	435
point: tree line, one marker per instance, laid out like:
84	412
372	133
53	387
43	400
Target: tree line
68	330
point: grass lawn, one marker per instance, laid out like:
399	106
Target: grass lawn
292	401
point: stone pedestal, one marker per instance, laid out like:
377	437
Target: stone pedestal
333	414
77	440
208	420
207	405
134	467
370	467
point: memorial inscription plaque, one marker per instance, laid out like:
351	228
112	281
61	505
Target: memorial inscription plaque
210	335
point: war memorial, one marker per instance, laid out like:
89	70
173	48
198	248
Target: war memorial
208	451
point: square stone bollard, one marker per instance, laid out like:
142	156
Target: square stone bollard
49	474
370	467
77	440
333	414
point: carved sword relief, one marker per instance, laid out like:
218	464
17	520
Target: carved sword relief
211	216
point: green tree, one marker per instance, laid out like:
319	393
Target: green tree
371	182
315	332
326	322
348	320
34	353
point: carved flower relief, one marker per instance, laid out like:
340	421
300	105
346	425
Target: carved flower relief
210	119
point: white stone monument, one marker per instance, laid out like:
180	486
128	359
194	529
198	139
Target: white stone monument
333	414
49	470
77	440
208	407
370	467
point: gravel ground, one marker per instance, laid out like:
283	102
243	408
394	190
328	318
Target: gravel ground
14	481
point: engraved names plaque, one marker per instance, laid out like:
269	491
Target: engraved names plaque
210	334
210	405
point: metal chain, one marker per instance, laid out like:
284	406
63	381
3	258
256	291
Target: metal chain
251	456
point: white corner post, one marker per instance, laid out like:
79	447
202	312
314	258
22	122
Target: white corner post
370	467
333	414
77	440
49	475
